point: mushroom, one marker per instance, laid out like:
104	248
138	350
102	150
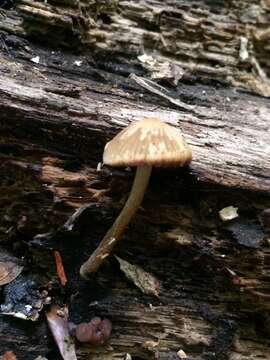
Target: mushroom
96	332
144	144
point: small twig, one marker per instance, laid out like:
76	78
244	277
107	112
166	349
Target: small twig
154	88
248	285
261	73
260	295
60	268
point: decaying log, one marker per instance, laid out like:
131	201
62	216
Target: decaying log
207	38
58	109
229	131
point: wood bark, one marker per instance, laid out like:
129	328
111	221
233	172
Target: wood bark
60	105
209	39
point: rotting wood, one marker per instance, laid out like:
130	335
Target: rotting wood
208	39
229	131
55	118
204	307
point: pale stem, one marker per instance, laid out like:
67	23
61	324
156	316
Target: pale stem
114	233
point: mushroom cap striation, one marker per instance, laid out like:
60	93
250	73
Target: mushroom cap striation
148	142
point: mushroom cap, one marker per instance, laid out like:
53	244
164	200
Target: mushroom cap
148	142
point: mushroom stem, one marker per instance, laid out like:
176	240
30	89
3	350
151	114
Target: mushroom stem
114	233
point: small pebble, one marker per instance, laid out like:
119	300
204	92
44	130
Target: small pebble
228	213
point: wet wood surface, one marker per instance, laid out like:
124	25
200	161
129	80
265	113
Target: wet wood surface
65	108
57	112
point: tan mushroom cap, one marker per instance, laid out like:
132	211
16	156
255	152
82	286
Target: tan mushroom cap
148	142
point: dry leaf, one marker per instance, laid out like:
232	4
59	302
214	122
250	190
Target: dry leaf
58	323
10	267
145	281
161	69
180	236
9	270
